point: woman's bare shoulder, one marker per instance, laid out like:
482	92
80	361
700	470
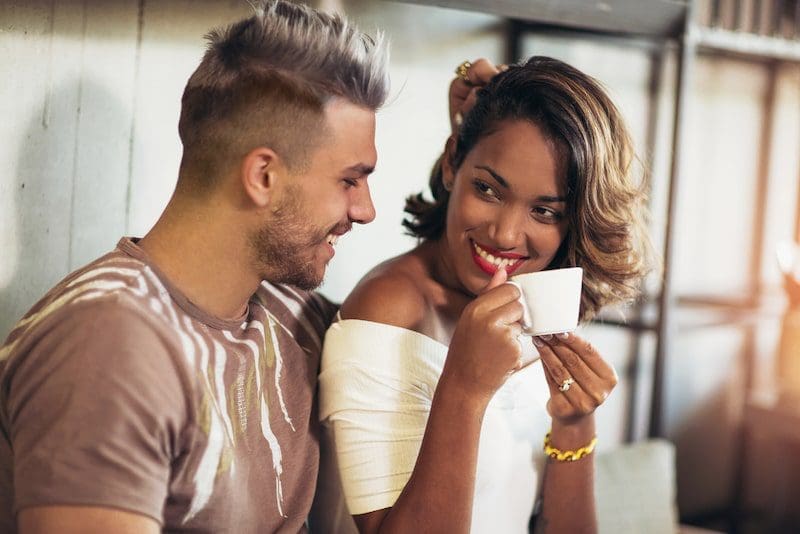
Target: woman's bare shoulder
391	293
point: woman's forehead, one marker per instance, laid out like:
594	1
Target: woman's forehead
520	154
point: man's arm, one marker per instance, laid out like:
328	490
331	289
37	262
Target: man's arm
83	520
96	408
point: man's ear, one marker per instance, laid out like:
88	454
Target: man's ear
259	174
448	173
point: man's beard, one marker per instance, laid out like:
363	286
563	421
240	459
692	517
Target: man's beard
284	248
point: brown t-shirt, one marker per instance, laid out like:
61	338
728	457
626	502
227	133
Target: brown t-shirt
117	391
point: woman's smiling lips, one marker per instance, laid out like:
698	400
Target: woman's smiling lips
489	259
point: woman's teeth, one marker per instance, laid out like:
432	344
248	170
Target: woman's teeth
332	239
500	263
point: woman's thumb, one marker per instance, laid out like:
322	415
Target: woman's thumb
498	278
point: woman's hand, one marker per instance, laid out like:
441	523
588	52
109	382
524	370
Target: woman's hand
580	379
463	93
485	348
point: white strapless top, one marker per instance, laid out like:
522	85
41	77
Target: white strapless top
376	386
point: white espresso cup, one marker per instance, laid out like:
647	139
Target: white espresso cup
551	300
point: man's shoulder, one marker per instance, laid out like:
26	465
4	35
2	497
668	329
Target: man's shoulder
109	276
285	301
87	328
304	315
114	288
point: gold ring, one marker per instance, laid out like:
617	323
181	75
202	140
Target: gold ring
566	384
462	71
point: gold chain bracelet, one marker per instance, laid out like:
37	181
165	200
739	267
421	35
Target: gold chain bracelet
568	456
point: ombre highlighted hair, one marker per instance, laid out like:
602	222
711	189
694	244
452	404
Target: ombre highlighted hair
606	206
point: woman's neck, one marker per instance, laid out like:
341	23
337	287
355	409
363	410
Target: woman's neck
445	293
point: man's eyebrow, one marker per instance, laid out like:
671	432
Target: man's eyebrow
502	181
360	168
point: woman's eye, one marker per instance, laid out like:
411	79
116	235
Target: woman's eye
546	214
484	189
350	182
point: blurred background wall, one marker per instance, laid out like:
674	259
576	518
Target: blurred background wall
90	103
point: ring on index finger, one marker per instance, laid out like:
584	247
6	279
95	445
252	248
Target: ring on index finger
462	71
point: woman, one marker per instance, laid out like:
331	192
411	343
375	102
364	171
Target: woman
430	395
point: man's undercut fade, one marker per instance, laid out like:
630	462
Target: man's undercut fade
265	81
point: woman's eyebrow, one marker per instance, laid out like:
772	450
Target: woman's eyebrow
502	181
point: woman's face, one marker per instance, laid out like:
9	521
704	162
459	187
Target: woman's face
507	207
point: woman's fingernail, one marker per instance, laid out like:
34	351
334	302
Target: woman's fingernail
537	342
563	335
547	337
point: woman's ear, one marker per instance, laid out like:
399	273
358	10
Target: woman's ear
258	174
448	172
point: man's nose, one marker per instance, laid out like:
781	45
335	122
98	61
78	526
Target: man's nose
362	210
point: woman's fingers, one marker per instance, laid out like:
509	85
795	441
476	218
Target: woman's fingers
509	314
572	377
587	353
562	404
587	367
463	90
562	380
481	71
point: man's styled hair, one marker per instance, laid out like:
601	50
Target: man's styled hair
265	80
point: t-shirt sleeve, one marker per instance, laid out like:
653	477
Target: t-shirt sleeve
96	407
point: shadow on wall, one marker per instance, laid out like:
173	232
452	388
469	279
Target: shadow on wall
59	177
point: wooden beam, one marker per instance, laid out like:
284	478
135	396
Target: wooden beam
660	18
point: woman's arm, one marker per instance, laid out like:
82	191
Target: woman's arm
568	502
483	352
438	496
568	488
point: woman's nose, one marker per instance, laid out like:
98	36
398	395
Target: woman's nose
507	228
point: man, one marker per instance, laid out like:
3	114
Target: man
170	384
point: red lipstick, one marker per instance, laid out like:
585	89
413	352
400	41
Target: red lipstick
514	261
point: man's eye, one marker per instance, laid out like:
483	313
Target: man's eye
350	182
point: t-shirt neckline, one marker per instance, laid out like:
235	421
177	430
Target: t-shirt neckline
130	247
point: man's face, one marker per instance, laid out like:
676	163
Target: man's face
315	206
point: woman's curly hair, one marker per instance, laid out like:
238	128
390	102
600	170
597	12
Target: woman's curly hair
606	234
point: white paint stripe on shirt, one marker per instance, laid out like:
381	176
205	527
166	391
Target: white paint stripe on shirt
97	289
101	271
220	361
278	369
297	311
170	314
304	305
206	470
266	430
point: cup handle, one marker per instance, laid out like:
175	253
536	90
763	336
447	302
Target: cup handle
527	323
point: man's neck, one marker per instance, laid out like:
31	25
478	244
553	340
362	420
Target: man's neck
204	258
